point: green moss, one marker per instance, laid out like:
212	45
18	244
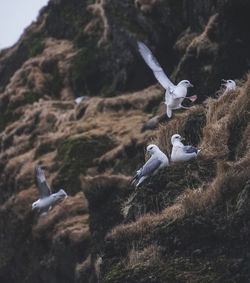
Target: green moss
30	97
88	72
54	85
35	48
75	156
8	117
25	147
43	149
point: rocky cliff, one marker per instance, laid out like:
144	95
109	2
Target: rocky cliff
190	223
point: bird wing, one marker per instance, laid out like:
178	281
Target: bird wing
41	183
155	66
190	149
150	166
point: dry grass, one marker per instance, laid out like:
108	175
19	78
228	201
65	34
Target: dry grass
226	117
230	109
149	256
145	5
98	10
174	126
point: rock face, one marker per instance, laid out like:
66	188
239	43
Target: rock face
190	222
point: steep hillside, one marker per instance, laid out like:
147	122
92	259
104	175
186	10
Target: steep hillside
187	224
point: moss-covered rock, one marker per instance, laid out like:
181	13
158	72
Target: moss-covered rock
160	191
75	156
43	148
54	82
35	47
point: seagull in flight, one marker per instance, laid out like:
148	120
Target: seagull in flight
174	94
181	152
157	161
47	199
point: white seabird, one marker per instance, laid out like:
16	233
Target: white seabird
46	200
79	99
181	152
157	161
229	84
174	94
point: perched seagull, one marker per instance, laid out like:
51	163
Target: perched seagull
79	99
46	200
229	84
157	161
174	95
181	152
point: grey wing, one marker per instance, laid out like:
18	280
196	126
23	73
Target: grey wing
150	166
190	149
155	66
42	185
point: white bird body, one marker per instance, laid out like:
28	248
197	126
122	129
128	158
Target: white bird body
46	200
79	99
157	161
181	152
174	94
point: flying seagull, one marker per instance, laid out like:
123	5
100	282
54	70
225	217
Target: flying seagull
174	94
46	200
181	152
229	84
157	161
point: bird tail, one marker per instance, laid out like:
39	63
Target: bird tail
61	194
133	180
169	112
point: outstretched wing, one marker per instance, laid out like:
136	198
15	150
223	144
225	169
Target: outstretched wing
190	149
41	183
150	166
155	66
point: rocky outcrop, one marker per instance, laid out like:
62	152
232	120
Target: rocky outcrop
188	223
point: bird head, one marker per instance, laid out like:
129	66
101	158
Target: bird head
185	83
152	148
34	205
229	84
176	138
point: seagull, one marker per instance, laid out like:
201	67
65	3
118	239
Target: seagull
79	99
229	84
46	200
174	94
157	161
181	152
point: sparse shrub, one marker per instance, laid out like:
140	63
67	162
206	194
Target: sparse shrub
54	82
43	148
35	48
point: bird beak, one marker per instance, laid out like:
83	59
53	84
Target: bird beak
190	85
182	138
192	98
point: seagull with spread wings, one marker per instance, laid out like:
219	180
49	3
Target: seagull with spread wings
174	94
181	152
47	199
157	161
